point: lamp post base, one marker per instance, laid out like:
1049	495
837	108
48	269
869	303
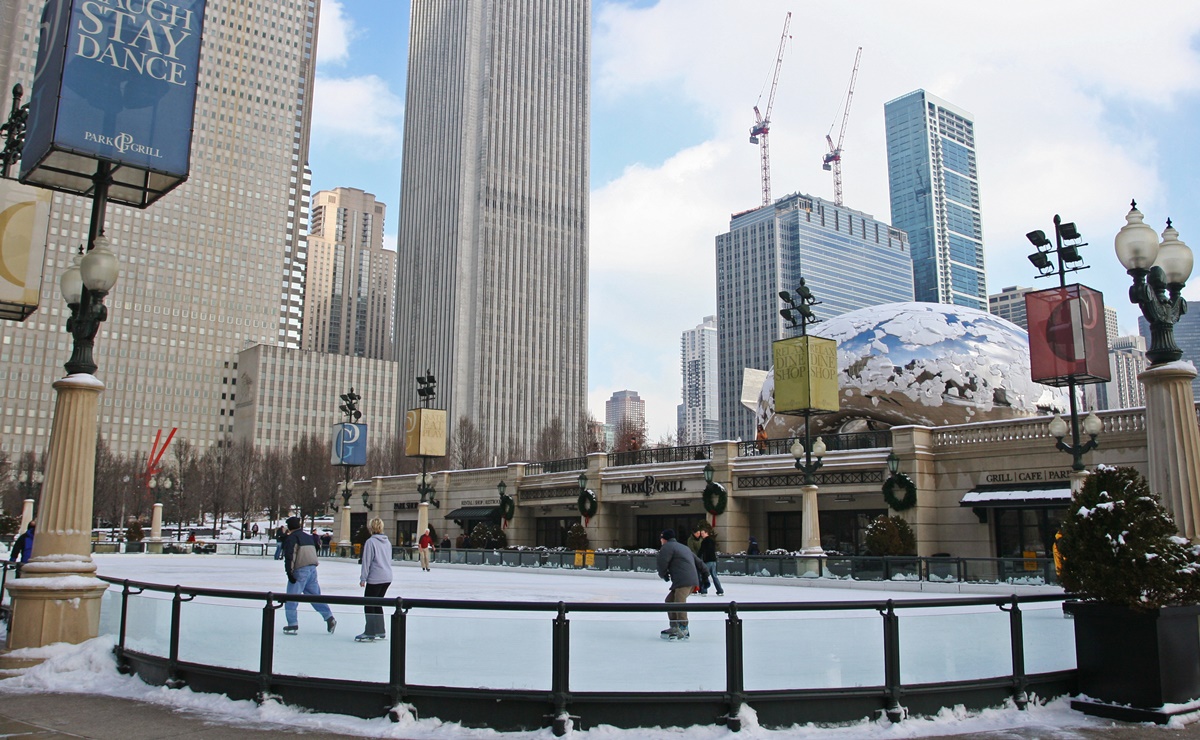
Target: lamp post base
810	532
53	601
1173	442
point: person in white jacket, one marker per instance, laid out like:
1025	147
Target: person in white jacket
375	576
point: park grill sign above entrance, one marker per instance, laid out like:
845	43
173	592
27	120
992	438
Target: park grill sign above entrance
648	486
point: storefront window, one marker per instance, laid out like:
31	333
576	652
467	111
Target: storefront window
1023	533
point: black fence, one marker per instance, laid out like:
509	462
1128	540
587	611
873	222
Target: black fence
833	442
560	707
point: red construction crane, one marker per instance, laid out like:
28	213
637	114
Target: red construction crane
762	121
833	160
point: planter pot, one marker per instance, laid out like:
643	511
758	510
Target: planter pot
1142	659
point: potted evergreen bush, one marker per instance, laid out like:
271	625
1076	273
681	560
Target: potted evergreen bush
1137	645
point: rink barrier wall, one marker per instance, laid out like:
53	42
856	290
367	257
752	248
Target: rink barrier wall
935	569
562	709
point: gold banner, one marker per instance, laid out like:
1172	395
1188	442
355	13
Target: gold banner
806	375
425	433
24	222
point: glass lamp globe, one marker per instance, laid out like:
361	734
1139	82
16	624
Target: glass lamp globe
1058	427
99	267
1092	425
819	448
71	282
1174	257
1136	243
797	450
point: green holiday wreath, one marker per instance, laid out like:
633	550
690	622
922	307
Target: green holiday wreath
587	504
715	499
507	507
910	492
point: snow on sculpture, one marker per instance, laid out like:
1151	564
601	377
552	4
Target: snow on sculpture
931	364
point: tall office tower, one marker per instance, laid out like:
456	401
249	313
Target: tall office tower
934	188
1187	338
847	258
213	266
348	297
492	249
1097	395
698	420
1126	360
1009	304
625	406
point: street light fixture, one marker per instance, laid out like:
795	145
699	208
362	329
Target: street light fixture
808	450
1067	241
1160	271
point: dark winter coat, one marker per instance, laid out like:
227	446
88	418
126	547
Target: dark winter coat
679	565
23	547
708	550
299	550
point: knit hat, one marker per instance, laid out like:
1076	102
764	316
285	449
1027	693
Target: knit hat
668	534
293	522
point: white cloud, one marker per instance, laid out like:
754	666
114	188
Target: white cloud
1064	110
335	31
361	111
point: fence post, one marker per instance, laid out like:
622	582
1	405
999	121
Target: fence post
735	683
266	650
1016	631
399	650
891	663
560	678
122	662
173	680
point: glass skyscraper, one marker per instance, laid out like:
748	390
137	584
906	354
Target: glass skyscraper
934	184
848	258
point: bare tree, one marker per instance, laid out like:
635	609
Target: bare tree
590	436
106	494
629	437
184	498
312	476
468	448
273	481
214	479
244	485
552	442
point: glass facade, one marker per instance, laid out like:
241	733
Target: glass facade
847	258
934	183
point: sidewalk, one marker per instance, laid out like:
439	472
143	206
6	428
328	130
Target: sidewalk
46	716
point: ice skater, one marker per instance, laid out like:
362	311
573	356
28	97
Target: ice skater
300	564
679	565
374	577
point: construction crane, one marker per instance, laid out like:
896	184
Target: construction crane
762	121
833	160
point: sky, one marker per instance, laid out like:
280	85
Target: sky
1079	105
964	646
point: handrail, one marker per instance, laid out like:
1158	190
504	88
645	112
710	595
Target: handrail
558	707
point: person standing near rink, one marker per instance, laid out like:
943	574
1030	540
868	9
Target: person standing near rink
424	547
375	577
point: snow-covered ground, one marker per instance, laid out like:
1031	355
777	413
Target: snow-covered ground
502	649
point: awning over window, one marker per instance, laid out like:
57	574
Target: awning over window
1026	498
475	512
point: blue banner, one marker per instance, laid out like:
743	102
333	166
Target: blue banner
350	444
116	81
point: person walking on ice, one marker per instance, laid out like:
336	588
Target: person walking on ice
300	564
374	577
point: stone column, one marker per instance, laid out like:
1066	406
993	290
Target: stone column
1173	442
26	515
344	528
811	522
57	598
155	542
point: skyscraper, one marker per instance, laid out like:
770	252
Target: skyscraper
1126	360
1187	338
213	266
625	406
492	248
698	419
934	184
847	258
351	278
1009	304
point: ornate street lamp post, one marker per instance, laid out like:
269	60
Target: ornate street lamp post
1160	270
156	519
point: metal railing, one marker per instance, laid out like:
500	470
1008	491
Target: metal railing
659	455
833	442
560	707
